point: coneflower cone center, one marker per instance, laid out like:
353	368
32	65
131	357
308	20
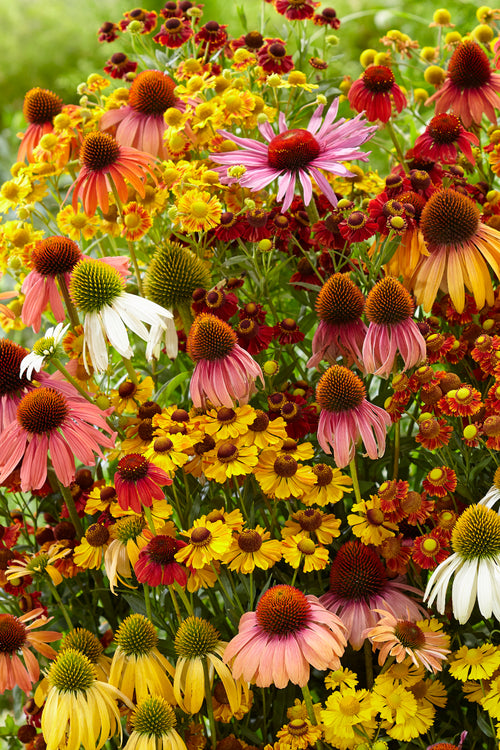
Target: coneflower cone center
71	672
388	303
41	106
11	356
444	128
161	549
210	338
153	717
152	93
133	467
196	637
282	610
469	67
127	529
12	634
98	151
449	218
136	635
409	634
55	255
339	390
378	79
42	410
94	284
339	300
82	640
293	149
477	533
357	573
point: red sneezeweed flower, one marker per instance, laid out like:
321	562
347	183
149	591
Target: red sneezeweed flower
430	549
136	221
140	124
459	247
445	139
148	19
297	154
105	163
288	633
471	89
39	109
341	331
287	332
138	482
52	418
389	308
296	10
51	258
211	37
216	302
440	481
174	33
119	65
12	384
108	32
464	401
359	584
224	372
16	639
433	433
157	564
375	93
272	57
327	17
253	336
357	227
346	416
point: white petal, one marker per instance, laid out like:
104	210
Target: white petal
485	584
93	337
438	582
464	590
127	309
116	331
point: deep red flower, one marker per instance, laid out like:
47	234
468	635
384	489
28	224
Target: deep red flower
376	92
296	10
272	57
211	37
157	564
119	65
174	33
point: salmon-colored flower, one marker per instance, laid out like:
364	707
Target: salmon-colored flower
16	640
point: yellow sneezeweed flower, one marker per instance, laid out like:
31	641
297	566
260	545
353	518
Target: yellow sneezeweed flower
202	578
298	734
341	677
300	451
368	522
324	526
236	106
13	193
90	552
131	395
300	549
38	565
221	706
208	541
175	420
136	221
76	224
329	486
252	548
243	59
406	672
234	518
228	460
228	423
264	432
430	692
297	79
198	211
282	477
404	718
345	710
138	669
198	647
477	663
169	451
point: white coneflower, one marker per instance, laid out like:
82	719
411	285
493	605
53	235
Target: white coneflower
98	291
43	350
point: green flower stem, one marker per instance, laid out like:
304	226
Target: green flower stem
397	446
367	650
397	146
186	317
149	518
176	604
136	268
183	597
130	370
72	313
59	365
105	599
210	708
147	602
60	604
309	704
354	477
70	504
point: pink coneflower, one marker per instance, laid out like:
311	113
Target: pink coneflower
55	418
12	384
346	416
359	584
157	564
141	124
470	89
298	154
287	634
375	93
138	482
341	331
400	638
389	308
51	258
444	139
16	639
106	163
39	109
224	372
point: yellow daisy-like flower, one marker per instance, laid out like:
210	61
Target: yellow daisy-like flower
123	551
491	701
299	711
252	548
202	578
329	486
208	541
369	523
264	432
345	709
100	499
90	552
131	395
341	677
229	460
406	672
222	707
234	518
226	423
136	221
282	477
169	451
477	663
474	692
301	549
397	706
313	522
299	451
76	224
178	420
138	669
198	211
39	565
430	692
412	726
79	709
298	734
13	193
